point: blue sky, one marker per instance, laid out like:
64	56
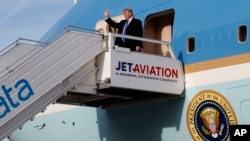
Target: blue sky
29	18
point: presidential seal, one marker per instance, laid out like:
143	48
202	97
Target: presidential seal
209	115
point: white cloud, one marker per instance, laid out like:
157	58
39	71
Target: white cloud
29	19
16	7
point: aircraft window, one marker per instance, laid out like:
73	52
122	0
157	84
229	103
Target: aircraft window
242	33
190	44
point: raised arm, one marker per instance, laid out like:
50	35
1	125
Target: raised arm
109	20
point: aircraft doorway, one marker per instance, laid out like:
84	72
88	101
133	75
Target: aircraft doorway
158	26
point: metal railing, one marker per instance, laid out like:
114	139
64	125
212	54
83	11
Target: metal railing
66	29
42	44
49	40
20	41
112	37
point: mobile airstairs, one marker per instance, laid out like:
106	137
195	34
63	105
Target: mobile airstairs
80	67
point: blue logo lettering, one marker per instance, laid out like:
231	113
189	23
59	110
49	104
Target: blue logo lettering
124	66
24	93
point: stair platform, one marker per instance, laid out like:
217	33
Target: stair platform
125	77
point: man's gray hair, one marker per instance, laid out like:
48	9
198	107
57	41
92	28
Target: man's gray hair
129	10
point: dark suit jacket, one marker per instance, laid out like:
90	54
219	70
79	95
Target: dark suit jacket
134	29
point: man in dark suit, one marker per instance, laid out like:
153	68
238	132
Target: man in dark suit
129	26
